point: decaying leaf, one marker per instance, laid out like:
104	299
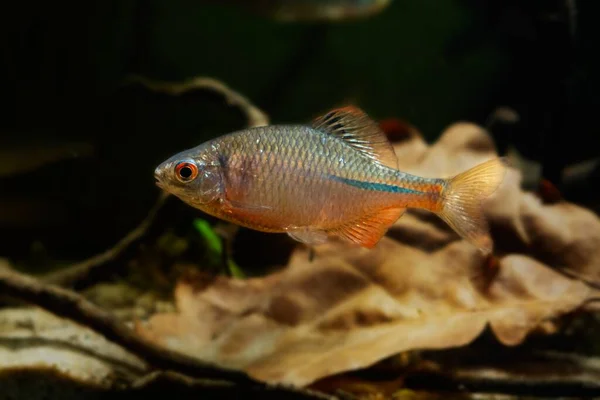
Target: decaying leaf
43	356
422	287
32	338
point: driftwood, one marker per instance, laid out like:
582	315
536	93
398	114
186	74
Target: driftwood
68	304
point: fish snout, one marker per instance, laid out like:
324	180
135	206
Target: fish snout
159	176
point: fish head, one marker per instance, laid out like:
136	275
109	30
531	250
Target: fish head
193	175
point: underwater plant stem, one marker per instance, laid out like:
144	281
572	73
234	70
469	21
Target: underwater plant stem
311	254
82	274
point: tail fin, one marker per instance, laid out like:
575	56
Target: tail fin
462	197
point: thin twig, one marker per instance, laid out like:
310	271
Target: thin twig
82	273
255	116
164	363
75	275
266	392
516	386
68	304
175	377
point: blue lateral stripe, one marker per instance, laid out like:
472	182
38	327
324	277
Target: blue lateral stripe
379	187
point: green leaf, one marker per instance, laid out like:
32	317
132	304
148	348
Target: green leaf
215	247
213	241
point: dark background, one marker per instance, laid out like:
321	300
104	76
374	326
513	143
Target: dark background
429	62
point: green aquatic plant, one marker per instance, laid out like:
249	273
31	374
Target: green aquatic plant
216	251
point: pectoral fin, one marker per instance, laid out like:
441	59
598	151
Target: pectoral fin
310	237
232	204
243	212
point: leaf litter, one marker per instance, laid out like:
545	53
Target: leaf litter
422	287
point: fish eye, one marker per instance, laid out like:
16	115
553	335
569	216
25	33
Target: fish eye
186	171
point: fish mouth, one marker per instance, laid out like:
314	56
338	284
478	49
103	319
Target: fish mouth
158	181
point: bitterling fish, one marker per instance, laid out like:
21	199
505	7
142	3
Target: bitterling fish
337	177
310	10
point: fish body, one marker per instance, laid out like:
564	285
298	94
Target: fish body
313	10
29	155
336	177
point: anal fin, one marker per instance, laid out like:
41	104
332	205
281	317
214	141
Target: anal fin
369	229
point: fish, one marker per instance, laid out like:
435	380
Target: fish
310	10
28	155
334	178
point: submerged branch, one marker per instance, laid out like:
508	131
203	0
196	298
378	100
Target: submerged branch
177	380
165	364
68	304
512	386
254	115
83	272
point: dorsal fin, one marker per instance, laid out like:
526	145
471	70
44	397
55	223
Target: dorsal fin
352	125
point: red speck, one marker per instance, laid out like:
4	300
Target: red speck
395	129
548	192
491	263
